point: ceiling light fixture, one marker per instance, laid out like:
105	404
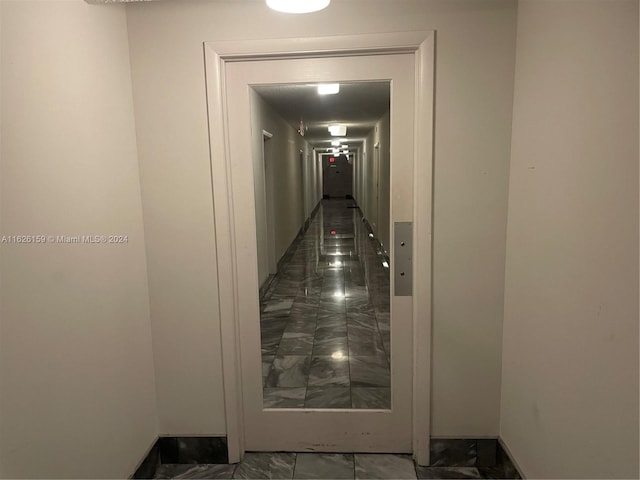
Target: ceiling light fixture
338	130
335	143
328	88
297	6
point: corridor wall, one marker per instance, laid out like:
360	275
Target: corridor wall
76	367
475	65
570	353
374	170
289	209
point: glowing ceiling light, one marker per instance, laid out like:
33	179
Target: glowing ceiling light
385	264
335	143
297	6
328	88
337	130
337	355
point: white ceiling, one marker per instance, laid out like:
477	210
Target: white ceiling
358	105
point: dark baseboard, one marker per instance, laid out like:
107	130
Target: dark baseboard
307	222
294	244
149	464
264	288
382	252
487	453
273	279
183	450
315	210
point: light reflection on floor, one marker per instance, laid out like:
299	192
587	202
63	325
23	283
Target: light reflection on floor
325	322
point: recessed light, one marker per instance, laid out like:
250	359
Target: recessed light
297	6
335	143
338	130
328	88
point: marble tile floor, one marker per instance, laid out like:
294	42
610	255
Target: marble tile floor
325	322
326	466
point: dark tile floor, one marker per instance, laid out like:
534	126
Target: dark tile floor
328	466
325	322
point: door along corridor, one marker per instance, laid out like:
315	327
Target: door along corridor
325	317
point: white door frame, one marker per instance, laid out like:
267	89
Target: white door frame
217	55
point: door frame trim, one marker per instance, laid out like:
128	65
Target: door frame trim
216	55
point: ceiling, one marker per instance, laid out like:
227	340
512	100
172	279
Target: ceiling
358	106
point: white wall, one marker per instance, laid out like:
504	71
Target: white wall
312	181
570	353
475	53
360	174
374	199
78	397
366	179
383	133
287	171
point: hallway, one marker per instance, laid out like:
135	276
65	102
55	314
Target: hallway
325	318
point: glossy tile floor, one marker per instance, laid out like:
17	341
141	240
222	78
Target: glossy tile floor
328	466
301	465
325	322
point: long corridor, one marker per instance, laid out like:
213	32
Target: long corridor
325	318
